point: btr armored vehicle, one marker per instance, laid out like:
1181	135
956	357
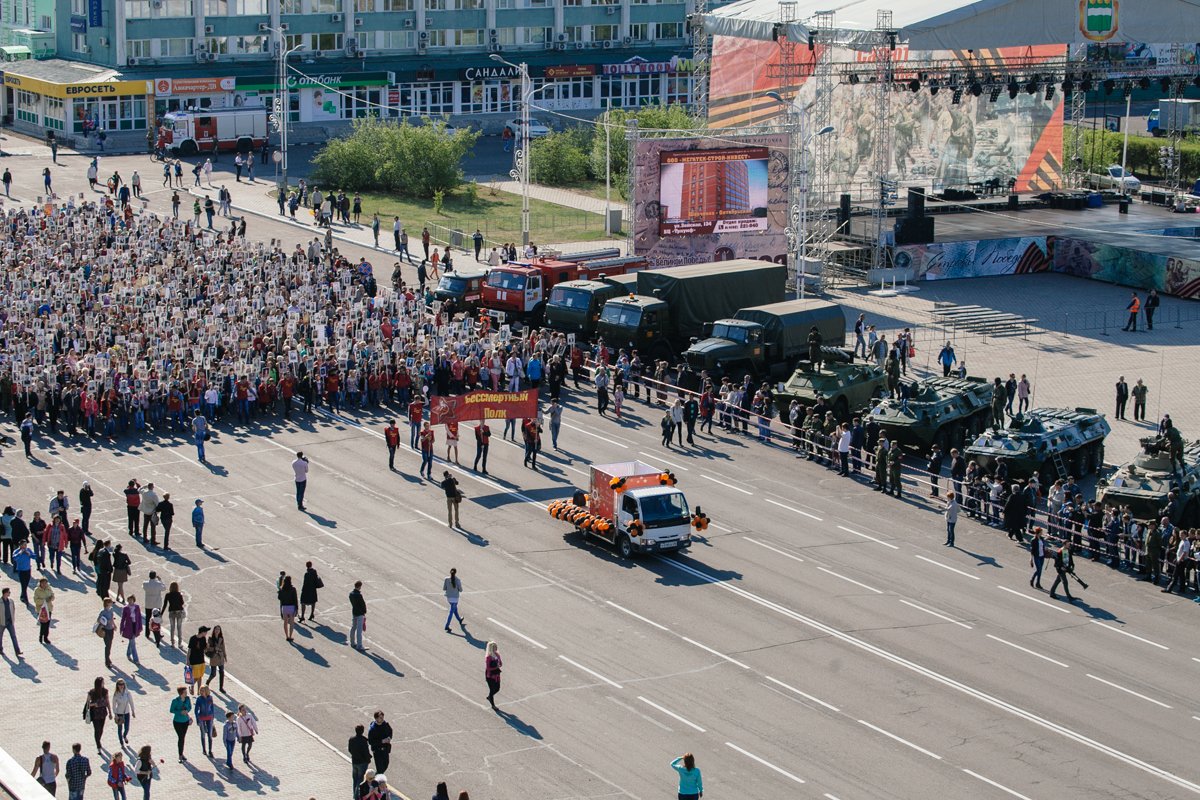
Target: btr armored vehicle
1144	484
1051	443
846	387
942	410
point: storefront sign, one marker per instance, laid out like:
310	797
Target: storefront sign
66	90
483	405
393	97
425	75
165	87
78	23
270	83
490	73
571	71
640	66
95	13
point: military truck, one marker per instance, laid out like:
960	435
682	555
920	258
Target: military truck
766	340
1144	484
849	388
574	306
672	305
462	287
942	410
1051	443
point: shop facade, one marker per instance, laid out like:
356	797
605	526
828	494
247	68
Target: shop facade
35	105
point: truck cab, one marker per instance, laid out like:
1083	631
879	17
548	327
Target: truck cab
574	306
462	287
730	347
637	321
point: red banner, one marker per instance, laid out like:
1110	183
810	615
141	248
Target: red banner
483	405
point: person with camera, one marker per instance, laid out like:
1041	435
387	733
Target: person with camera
454	497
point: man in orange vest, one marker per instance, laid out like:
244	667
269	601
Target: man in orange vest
1133	308
391	435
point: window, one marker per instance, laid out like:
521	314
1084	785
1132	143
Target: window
175	48
364	5
668	30
45	22
503	4
252	44
641	2
436	38
397	5
216	8
572	2
249	8
327	41
326	6
53	117
506	36
537	2
138	48
397	40
605	33
217	44
538	35
468	38
437	5
679	89
79	7
362	102
137	9
293	40
574	33
27	106
290	7
176	8
639	31
79	42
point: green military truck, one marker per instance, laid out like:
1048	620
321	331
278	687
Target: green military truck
574	306
672	305
766	341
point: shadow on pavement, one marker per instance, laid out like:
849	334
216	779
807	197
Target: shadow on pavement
518	725
311	655
385	665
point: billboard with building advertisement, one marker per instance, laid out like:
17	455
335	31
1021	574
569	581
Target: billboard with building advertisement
706	199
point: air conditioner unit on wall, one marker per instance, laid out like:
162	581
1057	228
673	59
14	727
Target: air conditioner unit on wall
133	62
208	28
283	26
408	23
335	17
610	10
607	45
103	41
358	22
580	45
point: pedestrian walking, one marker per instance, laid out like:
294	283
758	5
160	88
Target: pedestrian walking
43	604
483	438
1037	556
77	771
358	617
205	710
454	497
198	522
229	737
45	769
1151	305
131	627
97	710
491	671
106	628
452	589
8	622
1064	564
391	437
691	785
217	658
123	710
6	179
121	571
176	613
118	773
359	749
200	435
426	442
379	735
300	470
375	228
308	591
27	425
181	718
1133	307
288	602
147	770
195	665
1139	392
247	728
166	515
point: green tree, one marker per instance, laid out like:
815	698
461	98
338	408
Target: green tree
650	119
561	159
397	157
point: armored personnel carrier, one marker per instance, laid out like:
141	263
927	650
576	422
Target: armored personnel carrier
847	387
1145	483
1051	443
942	410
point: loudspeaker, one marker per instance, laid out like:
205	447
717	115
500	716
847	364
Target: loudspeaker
1013	202
916	203
843	214
914	231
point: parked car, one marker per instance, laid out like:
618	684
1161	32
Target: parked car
1115	177
536	129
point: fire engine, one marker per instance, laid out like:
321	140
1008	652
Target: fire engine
519	289
187	133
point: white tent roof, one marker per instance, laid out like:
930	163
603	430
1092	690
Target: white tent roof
960	25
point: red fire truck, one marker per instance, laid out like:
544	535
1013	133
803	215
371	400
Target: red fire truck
190	132
518	290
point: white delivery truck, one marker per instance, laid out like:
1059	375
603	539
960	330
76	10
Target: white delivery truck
633	506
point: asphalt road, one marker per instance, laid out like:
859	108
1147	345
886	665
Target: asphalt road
819	642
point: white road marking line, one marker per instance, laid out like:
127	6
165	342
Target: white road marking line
865	536
935	613
312	524
1027	650
937	677
574	469
1195	659
794	510
774	549
598	436
805	695
646	717
1130	635
765	763
1196	718
991	782
593	673
1129	691
1034	599
851	580
663	460
560	585
727	485
533	642
902	741
672	714
947	566
828	796
637	616
717	653
721	527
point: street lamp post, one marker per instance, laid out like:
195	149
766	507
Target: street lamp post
521	154
282	111
800	139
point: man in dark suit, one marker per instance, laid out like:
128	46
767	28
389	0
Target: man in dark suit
1122	397
1064	563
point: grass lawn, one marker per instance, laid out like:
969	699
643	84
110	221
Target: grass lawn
596	189
498	216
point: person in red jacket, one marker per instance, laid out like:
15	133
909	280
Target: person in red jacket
415	410
391	435
287	388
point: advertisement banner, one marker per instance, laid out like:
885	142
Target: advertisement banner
95	9
711	199
165	87
974	259
483	405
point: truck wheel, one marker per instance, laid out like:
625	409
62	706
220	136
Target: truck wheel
188	148
245	144
625	546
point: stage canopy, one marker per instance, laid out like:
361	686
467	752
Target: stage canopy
958	25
